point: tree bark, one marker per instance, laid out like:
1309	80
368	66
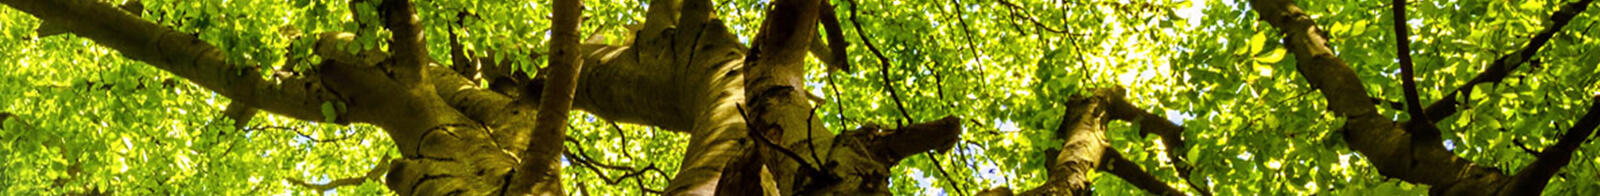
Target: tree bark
540	171
1394	150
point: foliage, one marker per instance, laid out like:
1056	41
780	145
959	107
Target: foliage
86	118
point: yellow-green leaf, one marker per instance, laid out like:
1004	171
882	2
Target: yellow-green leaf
1257	41
1272	57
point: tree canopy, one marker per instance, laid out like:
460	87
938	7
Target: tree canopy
1229	97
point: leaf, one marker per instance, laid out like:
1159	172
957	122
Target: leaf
1272	57
329	113
1359	28
1258	41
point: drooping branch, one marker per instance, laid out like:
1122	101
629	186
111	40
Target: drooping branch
947	178
1502	67
966	30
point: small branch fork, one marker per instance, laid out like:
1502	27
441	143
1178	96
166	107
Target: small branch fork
376	174
583	158
1394	150
1502	66
1421	124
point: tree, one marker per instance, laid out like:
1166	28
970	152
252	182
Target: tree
705	97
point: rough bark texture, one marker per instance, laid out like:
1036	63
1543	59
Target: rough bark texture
778	109
540	171
686	72
1083	128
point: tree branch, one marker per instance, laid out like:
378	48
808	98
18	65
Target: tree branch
967	31
837	58
184	55
1531	180
1131	172
541	168
582	158
1501	67
947	177
409	46
939	135
882	61
1393	150
376	174
1420	123
1171	134
1035	20
1083	129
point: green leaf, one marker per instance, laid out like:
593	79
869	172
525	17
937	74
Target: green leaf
1258	41
1359	28
1272	57
329	112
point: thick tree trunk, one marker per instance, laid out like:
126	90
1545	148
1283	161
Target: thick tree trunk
684	73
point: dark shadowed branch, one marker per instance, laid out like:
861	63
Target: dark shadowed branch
1531	180
409	46
376	174
1420	123
1171	136
1501	67
1392	149
1130	171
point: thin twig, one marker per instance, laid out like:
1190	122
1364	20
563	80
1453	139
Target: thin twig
1035	20
811	138
297	131
947	177
624	137
768	142
882	61
964	28
837	99
583	159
